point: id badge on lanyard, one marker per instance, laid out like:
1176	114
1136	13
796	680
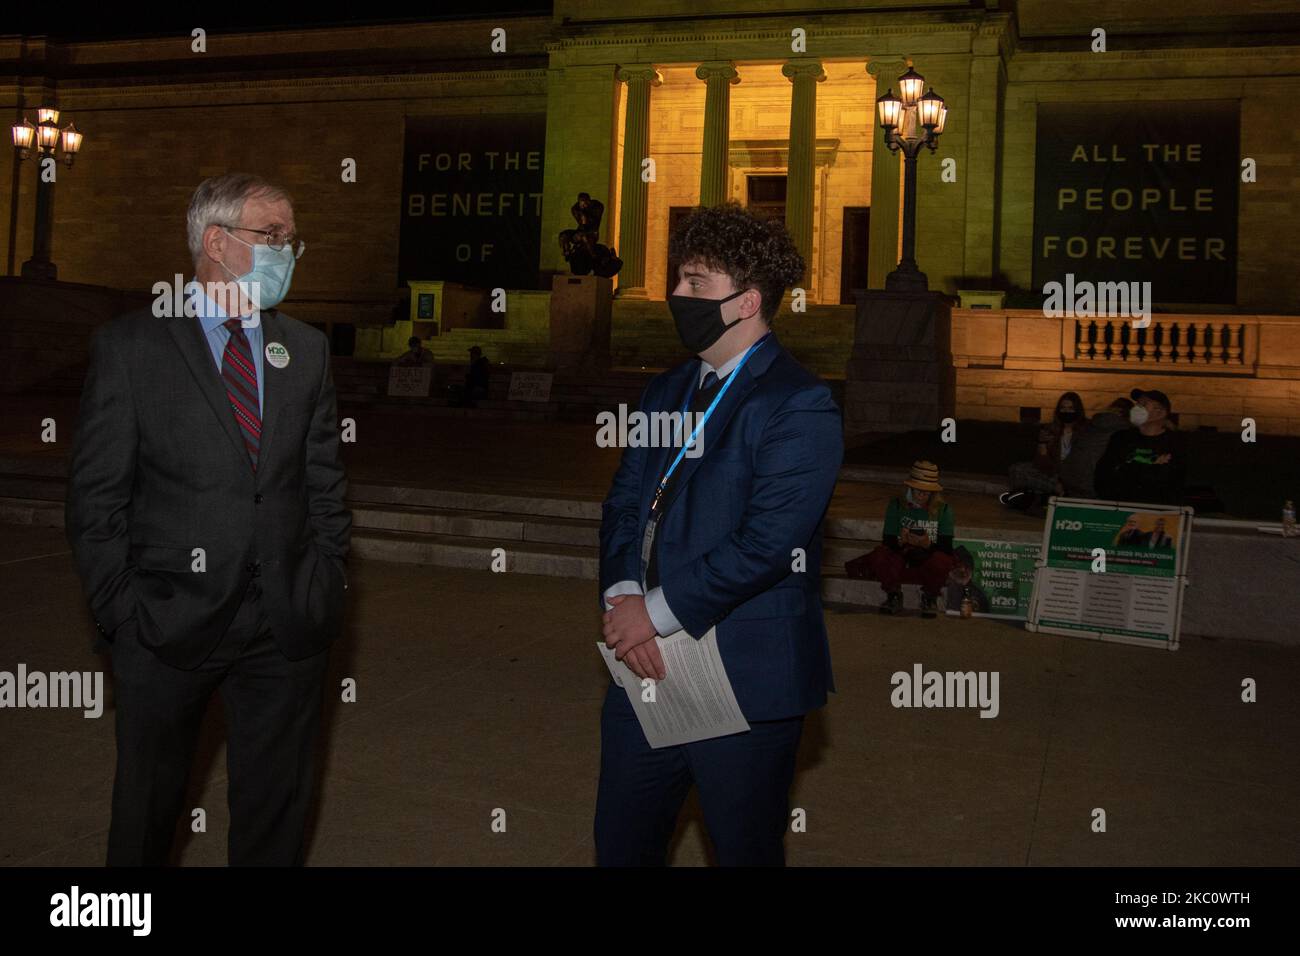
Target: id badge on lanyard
648	542
647	539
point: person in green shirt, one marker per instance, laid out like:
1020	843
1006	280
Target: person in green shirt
916	543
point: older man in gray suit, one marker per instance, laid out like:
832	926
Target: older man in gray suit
205	511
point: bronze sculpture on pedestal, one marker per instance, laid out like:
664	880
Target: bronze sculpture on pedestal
582	249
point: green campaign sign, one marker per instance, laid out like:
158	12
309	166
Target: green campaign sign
1001	581
1135	542
1112	572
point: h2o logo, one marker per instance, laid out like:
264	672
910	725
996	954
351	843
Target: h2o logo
277	354
1065	524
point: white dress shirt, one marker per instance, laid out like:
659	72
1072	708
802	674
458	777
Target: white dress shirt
656	604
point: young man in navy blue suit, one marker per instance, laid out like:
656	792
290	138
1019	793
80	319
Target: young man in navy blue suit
732	541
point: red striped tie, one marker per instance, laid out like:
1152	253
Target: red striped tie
239	372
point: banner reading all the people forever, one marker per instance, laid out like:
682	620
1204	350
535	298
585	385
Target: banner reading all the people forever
472	199
1112	571
1139	191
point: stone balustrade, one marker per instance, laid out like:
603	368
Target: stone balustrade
1217	369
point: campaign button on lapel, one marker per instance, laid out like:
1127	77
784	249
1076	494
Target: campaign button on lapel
277	354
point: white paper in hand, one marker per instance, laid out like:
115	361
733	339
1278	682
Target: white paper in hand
693	702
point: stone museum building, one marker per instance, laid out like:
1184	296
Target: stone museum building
1096	146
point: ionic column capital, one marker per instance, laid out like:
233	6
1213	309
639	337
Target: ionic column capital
892	66
717	69
803	66
638	73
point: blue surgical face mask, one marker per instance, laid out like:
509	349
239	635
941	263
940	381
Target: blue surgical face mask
267	283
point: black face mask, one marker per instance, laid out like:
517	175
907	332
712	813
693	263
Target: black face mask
699	321
1067	417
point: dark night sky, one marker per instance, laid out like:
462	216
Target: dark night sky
89	23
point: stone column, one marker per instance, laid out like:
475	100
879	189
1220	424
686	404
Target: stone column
635	191
882	243
981	161
718	77
587	140
805	73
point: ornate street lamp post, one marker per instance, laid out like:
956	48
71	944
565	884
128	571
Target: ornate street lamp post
910	122
47	138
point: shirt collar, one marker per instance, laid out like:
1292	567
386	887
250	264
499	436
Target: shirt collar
211	315
728	366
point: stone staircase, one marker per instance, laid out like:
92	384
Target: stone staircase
517	348
364	384
1233	568
642	335
573	398
552	536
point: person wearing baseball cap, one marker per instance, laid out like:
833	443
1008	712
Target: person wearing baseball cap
1146	463
1155	395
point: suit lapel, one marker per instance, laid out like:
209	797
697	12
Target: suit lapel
661	457
187	331
272	385
746	382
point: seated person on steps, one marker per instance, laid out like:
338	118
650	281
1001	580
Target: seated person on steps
917	543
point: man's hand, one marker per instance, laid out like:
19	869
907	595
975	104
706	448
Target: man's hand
628	627
646	661
1164	459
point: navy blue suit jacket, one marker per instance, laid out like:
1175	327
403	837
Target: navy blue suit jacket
737	513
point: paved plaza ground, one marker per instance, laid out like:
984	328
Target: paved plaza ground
1251	479
478	691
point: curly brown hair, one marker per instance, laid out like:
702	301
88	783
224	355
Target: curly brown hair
753	252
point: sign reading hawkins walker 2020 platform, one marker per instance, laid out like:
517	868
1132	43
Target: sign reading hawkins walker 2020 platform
1133	192
472	199
1112	571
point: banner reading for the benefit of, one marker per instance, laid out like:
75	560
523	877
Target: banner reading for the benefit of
1133	192
472	199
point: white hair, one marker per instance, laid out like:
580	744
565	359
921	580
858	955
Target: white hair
219	201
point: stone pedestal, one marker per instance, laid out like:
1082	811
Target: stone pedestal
900	375
580	310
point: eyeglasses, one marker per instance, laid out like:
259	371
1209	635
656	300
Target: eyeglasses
275	239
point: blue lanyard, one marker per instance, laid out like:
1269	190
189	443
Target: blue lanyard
681	453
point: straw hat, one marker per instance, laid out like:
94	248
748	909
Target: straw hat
924	477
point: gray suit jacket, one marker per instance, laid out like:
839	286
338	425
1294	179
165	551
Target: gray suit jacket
159	469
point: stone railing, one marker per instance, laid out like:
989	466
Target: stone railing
1266	346
1204	345
1217	369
